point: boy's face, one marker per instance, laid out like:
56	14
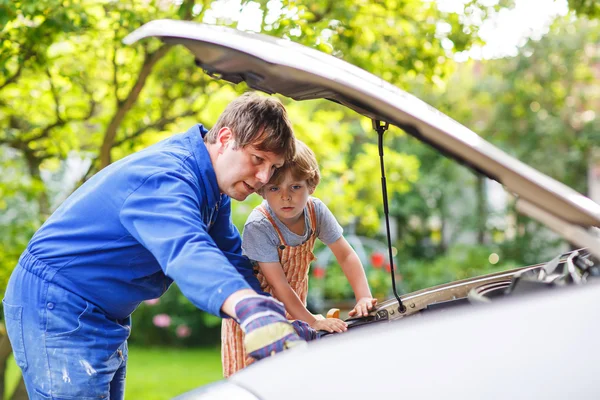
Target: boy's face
242	171
288	198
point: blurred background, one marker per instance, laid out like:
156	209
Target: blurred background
523	74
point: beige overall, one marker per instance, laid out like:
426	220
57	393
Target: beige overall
295	262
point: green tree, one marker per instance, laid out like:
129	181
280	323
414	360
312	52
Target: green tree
539	106
546	101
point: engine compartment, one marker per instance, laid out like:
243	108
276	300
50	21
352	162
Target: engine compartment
576	267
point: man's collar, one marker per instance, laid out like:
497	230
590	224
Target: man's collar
206	171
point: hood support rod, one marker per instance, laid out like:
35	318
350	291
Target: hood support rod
380	127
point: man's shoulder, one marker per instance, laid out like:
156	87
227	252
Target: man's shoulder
169	155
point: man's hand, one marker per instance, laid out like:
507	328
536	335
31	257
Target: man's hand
362	307
266	329
304	330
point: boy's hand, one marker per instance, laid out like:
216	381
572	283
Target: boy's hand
330	325
266	329
362	307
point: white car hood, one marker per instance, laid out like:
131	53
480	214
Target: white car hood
280	66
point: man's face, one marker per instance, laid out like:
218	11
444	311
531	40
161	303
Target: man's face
242	171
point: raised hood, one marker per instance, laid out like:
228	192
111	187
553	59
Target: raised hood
280	66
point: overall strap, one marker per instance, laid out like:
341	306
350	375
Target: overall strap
267	214
312	215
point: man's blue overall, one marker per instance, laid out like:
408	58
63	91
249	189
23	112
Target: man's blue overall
124	236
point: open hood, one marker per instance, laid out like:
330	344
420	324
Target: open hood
280	66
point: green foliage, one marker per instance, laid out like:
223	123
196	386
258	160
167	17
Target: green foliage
395	40
460	262
172	320
30	27
540	106
327	281
589	8
545	101
336	289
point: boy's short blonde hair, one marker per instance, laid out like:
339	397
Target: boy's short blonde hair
303	167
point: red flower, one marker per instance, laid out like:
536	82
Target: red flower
377	259
388	267
319	272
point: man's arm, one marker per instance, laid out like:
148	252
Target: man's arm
163	215
230	303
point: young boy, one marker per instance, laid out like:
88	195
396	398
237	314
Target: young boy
280	235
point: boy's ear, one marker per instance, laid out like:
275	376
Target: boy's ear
311	189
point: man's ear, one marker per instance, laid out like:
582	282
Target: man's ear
224	137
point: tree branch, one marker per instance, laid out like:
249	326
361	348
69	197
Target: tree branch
115	78
17	73
111	131
63	121
93	103
158	125
187	6
90	171
318	17
12	78
54	95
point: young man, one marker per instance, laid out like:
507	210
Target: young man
154	217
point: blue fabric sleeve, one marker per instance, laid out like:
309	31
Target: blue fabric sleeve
163	214
227	237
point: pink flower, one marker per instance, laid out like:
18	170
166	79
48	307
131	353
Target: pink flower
161	320
152	302
183	331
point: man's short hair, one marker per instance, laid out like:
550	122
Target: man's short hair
303	167
258	121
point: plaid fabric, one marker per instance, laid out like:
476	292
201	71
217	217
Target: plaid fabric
304	330
266	329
